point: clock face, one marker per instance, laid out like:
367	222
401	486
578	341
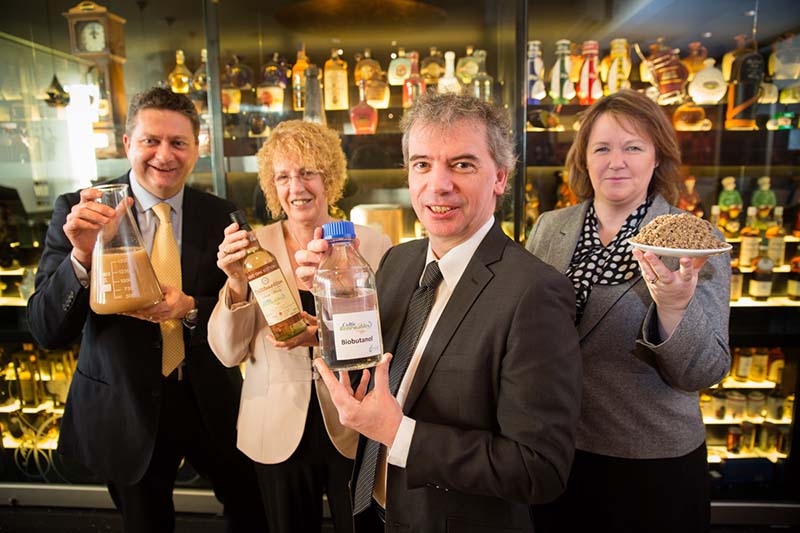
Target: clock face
92	37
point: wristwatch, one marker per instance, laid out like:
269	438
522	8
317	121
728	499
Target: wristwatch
190	320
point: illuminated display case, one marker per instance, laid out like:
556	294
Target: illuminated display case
238	84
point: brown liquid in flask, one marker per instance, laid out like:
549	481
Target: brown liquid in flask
122	277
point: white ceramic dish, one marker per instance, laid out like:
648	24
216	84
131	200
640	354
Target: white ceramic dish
680	252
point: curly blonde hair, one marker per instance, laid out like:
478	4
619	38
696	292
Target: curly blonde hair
317	147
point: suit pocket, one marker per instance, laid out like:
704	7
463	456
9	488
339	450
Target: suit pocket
460	525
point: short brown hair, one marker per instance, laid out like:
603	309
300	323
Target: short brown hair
318	147
165	100
647	119
444	110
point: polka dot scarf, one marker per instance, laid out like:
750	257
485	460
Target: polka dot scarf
592	263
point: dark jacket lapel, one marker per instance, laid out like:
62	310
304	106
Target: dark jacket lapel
193	237
472	283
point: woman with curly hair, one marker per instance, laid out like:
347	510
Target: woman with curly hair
287	423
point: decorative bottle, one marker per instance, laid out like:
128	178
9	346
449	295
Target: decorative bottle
363	117
414	85
269	287
708	85
449	83
589	88
467	67
695	60
482	83
619	68
747	73
375	87
793	281
728	58
335	80
366	67
760	287
270	91
730	204
784	62
776	238
347	303
432	67
299	79
200	76
751	238
313	110
181	77
537	91
399	68
562	90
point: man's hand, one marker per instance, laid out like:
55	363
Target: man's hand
174	306
377	414
85	221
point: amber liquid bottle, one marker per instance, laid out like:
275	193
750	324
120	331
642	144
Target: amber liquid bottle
269	287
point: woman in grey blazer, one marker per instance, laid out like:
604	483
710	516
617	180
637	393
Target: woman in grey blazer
653	333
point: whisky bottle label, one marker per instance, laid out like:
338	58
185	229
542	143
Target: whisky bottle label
356	335
272	294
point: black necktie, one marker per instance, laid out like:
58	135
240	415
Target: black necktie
417	314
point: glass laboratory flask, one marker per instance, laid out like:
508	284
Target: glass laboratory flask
122	278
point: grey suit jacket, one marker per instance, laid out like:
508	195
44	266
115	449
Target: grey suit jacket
496	394
640	394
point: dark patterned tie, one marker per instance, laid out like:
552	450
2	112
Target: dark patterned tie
417	314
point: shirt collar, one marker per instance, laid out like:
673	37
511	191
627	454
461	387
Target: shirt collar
455	262
145	200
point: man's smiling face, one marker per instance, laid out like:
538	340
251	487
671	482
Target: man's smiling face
162	151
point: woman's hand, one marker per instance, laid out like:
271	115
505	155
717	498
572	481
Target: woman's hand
308	260
671	291
229	259
306	338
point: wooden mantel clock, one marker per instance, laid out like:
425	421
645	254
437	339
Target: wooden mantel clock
99	36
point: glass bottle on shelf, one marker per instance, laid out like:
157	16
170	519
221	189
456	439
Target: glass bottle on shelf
793	280
366	67
432	67
775	365
335	80
759	366
730	205
269	287
760	287
363	117
645	67
414	85
695	60
449	83
537	91
742	360
690	117
299	79
590	88
377	91
784	62
769	92
619	67
751	239
467	67
399	68
708	85
729	57
181	77
200	76
482	83
576	62
764	200
776	238
737	281
313	110
270	91
562	89
668	73
236	77
747	73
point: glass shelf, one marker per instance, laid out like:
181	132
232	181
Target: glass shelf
716	454
774	301
729	421
730	383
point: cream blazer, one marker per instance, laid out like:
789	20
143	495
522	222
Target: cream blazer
277	385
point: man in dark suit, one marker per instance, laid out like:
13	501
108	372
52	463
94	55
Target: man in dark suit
483	420
128	418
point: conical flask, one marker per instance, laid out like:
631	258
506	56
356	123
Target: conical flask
123	279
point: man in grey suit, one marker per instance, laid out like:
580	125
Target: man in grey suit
476	416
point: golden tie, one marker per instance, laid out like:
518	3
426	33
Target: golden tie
166	261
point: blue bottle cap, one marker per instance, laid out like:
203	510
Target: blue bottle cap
334	231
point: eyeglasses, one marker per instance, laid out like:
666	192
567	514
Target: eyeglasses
306	176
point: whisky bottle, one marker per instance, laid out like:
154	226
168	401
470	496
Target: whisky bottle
760	287
432	67
776	238
695	60
271	90
449	83
467	67
562	90
299	79
366	67
747	73
536	88
335	80
482	84
376	90
729	57
200	76
619	68
180	78
399	68
751	238
313	110
414	85
793	280
363	117
589	87
759	366
269	287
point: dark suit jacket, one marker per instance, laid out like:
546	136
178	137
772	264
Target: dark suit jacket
112	411
496	395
